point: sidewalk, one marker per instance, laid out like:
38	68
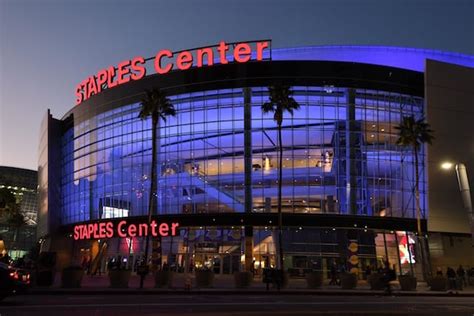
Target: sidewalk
224	285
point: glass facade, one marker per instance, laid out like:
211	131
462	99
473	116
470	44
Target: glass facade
339	157
16	240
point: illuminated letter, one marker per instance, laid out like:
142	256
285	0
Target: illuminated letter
78	94
222	48
158	57
141	70
84	87
102	230
110	78
143	230
260	47
242	53
109	227
210	56
76	232
90	230
153	225
173	228
184	61
164	228
101	79
83	231
132	230
119	229
122	71
91	87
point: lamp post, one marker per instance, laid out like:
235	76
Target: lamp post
463	183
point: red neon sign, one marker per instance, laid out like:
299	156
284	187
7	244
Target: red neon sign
124	230
165	61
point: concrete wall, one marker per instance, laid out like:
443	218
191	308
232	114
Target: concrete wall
449	96
49	175
450	250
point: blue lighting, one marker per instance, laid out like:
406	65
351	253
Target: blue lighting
400	57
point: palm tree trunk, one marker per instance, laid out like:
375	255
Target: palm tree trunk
421	239
280	185
151	198
417	192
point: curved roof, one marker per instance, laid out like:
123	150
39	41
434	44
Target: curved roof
399	57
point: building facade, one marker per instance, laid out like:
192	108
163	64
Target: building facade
22	183
347	187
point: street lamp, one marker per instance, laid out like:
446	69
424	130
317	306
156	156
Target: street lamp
463	183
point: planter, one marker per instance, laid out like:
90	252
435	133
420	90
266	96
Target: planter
71	277
376	281
204	278
348	281
438	283
243	279
314	280
119	278
44	278
164	279
407	282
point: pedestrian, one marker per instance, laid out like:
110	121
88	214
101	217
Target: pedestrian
470	274
333	274
267	277
461	273
439	272
389	275
252	268
451	275
368	271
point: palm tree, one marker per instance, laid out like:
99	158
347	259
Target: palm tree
158	106
414	133
7	203
280	101
10	212
16	220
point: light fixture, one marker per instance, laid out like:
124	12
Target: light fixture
447	165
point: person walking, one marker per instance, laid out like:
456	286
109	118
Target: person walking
368	271
451	275
461	273
389	275
333	274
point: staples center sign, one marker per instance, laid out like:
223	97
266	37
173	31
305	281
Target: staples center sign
124	229
165	61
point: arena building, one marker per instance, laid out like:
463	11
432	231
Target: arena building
347	187
18	237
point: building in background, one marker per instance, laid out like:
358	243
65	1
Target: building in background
23	184
347	187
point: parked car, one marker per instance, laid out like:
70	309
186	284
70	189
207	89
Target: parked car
13	280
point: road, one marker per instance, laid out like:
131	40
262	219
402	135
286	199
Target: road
242	305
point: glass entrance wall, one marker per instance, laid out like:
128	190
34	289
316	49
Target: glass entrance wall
106	159
222	249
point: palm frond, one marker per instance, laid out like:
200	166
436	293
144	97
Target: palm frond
280	100
156	104
414	133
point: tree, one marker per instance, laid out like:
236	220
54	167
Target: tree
7	204
413	134
157	106
10	212
16	220
280	101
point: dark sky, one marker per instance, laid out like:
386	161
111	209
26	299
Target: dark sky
47	47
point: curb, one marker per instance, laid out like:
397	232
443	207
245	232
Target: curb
129	291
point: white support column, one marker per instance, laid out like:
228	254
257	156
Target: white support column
466	195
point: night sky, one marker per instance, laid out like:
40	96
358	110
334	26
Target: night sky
48	47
